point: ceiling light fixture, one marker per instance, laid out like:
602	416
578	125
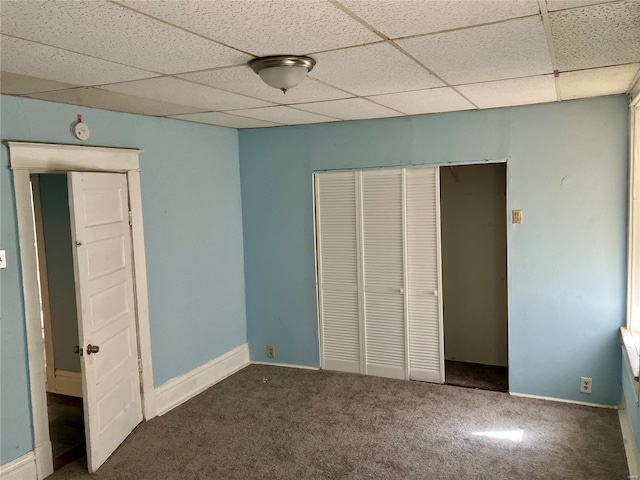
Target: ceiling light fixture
282	71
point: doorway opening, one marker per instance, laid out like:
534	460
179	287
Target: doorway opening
474	269
115	387
58	315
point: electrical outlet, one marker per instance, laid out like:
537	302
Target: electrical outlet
585	385
271	351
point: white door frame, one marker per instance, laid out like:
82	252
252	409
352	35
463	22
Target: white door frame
29	158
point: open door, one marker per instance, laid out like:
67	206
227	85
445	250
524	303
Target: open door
100	231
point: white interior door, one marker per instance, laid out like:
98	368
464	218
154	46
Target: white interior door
424	279
98	203
382	241
338	278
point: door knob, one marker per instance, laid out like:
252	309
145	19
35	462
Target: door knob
77	350
92	349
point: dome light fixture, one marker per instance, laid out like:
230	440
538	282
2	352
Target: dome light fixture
282	71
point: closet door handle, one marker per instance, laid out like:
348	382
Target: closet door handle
401	290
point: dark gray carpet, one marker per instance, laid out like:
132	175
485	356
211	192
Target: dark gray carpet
475	375
322	425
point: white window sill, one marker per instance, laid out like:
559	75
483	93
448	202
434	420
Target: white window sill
632	359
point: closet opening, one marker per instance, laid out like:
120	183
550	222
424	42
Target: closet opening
473	217
59	317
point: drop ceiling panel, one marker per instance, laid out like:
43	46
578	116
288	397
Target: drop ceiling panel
504	93
414	17
225	120
173	90
15	84
97	98
111	32
425	101
553	5
243	80
349	109
597	36
43	61
597	81
282	114
515	48
371	70
264	27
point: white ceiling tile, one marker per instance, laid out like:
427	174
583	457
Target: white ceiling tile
414	17
245	81
97	98
371	70
42	61
264	27
515	48
434	100
173	90
16	84
597	36
225	120
553	5
349	109
111	32
597	81
282	114
517	91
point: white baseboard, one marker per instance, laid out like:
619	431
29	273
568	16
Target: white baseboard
304	367
22	468
180	389
67	383
630	447
562	400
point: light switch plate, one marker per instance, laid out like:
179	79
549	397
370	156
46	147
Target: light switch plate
3	259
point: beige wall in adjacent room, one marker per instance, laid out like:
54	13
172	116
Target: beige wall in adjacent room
474	258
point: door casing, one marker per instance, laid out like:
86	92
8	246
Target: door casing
32	158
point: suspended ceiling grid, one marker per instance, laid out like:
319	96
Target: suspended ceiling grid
375	58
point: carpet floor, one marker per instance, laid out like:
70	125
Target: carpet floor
303	424
475	375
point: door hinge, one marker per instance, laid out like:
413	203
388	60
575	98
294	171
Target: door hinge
140	365
130	219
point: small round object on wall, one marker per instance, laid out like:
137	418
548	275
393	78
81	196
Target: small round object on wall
80	130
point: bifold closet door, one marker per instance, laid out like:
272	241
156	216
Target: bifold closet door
382	242
338	277
424	278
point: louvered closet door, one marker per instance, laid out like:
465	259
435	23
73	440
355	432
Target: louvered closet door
383	273
338	271
426	342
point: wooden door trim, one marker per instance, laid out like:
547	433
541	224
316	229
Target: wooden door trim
29	158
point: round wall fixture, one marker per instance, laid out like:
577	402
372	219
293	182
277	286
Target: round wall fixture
79	130
282	71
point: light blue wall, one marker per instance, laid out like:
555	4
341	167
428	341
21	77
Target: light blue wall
193	238
56	226
567	171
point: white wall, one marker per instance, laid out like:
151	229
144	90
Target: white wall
474	255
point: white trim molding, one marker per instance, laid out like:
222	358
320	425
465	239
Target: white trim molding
47	157
22	468
562	400
632	450
67	383
287	365
180	389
